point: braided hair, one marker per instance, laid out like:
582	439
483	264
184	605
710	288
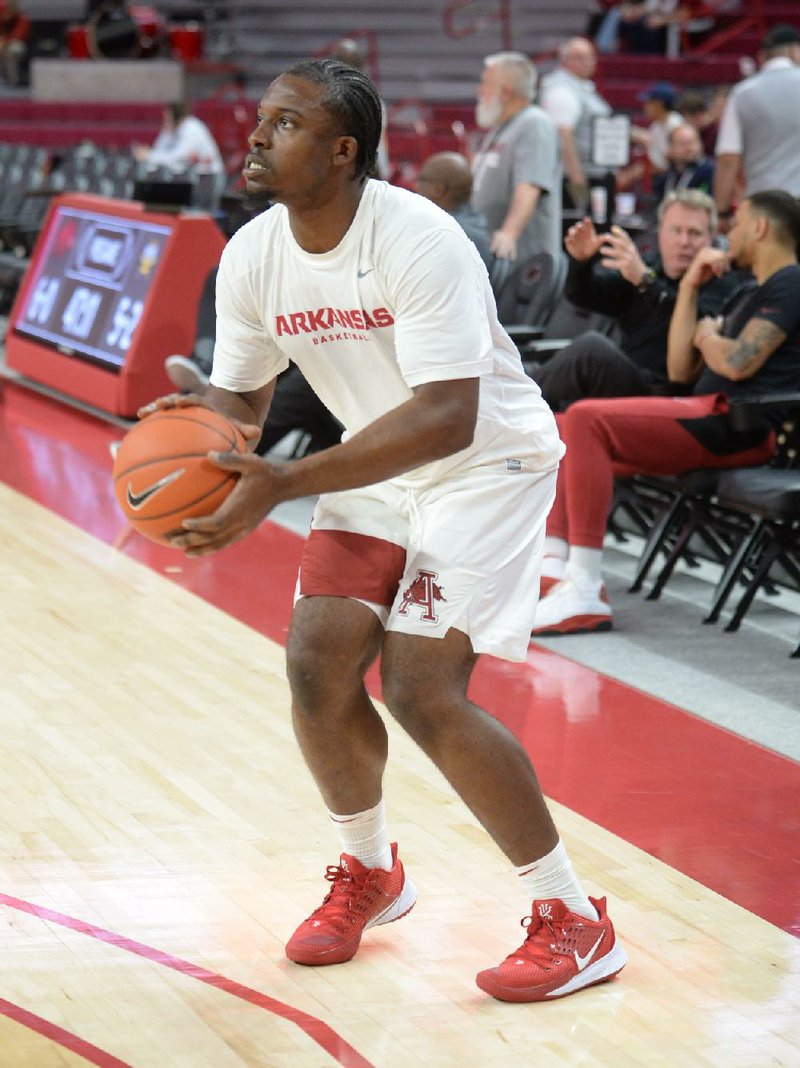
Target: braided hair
352	99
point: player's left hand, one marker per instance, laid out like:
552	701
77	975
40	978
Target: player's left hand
252	499
249	431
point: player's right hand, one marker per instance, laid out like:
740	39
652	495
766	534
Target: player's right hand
257	492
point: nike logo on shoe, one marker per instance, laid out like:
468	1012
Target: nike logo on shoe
363	274
583	961
138	500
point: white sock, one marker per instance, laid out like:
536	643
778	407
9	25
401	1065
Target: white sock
585	566
555	547
363	835
552	876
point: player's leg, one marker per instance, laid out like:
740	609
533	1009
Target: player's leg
347	582
425	687
469	587
424	683
331	644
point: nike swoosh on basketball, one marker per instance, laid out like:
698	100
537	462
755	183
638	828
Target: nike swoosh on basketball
583	961
138	500
363	274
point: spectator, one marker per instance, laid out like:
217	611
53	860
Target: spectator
446	179
184	141
760	127
689	167
753	351
643	24
659	109
516	170
570	98
696	110
607	274
15	32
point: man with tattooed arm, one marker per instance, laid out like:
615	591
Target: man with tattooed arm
751	350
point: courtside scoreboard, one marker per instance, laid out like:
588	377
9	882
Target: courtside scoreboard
111	291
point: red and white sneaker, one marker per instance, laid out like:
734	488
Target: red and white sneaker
359	898
571	609
562	953
553	571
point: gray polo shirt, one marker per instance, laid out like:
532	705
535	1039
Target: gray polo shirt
761	122
523	149
574	103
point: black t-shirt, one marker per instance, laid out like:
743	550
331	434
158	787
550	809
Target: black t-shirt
777	301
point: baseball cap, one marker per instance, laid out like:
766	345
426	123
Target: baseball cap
782	34
662	91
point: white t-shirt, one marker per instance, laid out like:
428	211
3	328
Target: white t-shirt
404	299
189	143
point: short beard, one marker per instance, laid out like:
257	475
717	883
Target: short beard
488	115
256	202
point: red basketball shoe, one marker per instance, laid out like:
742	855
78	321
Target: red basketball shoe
563	952
360	898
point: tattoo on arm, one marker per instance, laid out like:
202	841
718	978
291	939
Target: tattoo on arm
742	354
755	345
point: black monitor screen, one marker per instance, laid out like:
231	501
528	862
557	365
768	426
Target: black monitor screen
90	280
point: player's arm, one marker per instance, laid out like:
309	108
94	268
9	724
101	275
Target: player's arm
439	419
249	408
741	357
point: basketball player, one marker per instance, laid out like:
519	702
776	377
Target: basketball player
427	537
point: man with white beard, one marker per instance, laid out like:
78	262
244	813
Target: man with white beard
516	171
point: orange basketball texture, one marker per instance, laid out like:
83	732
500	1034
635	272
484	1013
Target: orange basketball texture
162	474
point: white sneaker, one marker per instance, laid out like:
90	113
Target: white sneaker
554	568
570	609
186	375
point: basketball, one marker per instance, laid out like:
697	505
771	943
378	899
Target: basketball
162	474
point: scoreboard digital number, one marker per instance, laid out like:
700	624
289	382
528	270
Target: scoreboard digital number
88	293
112	290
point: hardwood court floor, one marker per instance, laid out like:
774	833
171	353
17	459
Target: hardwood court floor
160	837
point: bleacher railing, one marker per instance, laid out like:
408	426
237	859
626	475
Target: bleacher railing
754	19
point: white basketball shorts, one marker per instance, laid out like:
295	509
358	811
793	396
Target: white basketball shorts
463	553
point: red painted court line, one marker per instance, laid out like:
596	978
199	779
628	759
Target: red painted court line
317	1030
57	1034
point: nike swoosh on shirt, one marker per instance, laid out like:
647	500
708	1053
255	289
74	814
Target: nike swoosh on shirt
363	274
583	961
138	500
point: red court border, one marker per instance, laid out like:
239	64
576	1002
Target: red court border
90	1053
317	1030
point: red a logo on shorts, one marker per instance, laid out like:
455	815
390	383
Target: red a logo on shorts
423	591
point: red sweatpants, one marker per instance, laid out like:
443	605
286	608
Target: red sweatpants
640	433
